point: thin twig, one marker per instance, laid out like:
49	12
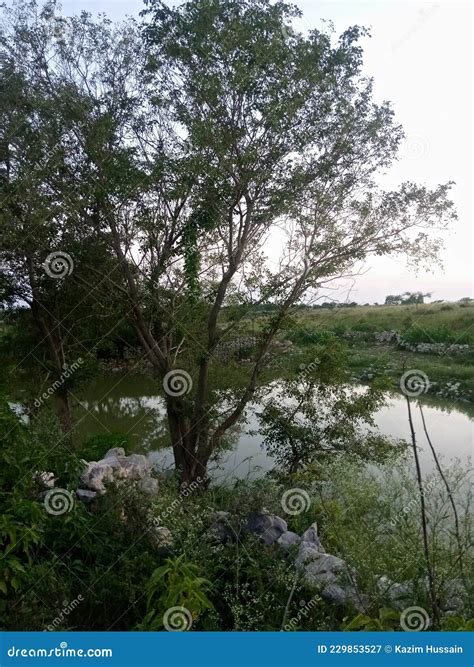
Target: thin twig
448	489
431	578
288	602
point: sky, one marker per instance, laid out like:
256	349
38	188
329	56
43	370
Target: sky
420	55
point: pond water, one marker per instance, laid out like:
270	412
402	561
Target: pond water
133	405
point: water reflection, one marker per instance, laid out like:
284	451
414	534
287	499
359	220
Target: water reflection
132	405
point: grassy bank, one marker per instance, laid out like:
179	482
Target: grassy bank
450	375
433	322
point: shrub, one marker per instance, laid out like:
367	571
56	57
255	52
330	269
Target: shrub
94	448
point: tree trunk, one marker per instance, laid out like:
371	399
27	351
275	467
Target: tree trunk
63	411
50	332
190	459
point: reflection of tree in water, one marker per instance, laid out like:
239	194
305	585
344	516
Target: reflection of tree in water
133	407
141	418
448	405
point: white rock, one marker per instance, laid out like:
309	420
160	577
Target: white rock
85	495
288	539
311	535
136	466
95	475
148	485
115	451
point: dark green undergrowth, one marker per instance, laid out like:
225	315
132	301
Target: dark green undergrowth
97	567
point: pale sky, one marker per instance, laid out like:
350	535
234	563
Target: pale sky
420	55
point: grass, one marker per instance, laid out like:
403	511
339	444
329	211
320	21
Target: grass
448	323
454	320
430	323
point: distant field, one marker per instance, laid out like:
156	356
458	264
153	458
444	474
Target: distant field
446	322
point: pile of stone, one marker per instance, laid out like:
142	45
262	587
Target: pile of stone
393	337
243	348
387	337
328	575
331	576
113	467
235	347
434	348
421	348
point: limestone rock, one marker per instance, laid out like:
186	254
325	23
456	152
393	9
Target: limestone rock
44	479
85	495
288	540
311	535
115	452
136	466
268	526
161	539
96	475
149	485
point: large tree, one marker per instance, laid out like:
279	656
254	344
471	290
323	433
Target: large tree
226	161
46	249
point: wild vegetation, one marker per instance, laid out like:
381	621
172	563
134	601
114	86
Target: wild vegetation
178	193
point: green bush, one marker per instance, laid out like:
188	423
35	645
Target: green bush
440	334
99	557
303	336
94	448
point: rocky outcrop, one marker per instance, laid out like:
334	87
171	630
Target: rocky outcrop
288	540
116	466
329	575
268	526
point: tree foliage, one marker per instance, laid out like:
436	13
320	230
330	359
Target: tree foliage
209	157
